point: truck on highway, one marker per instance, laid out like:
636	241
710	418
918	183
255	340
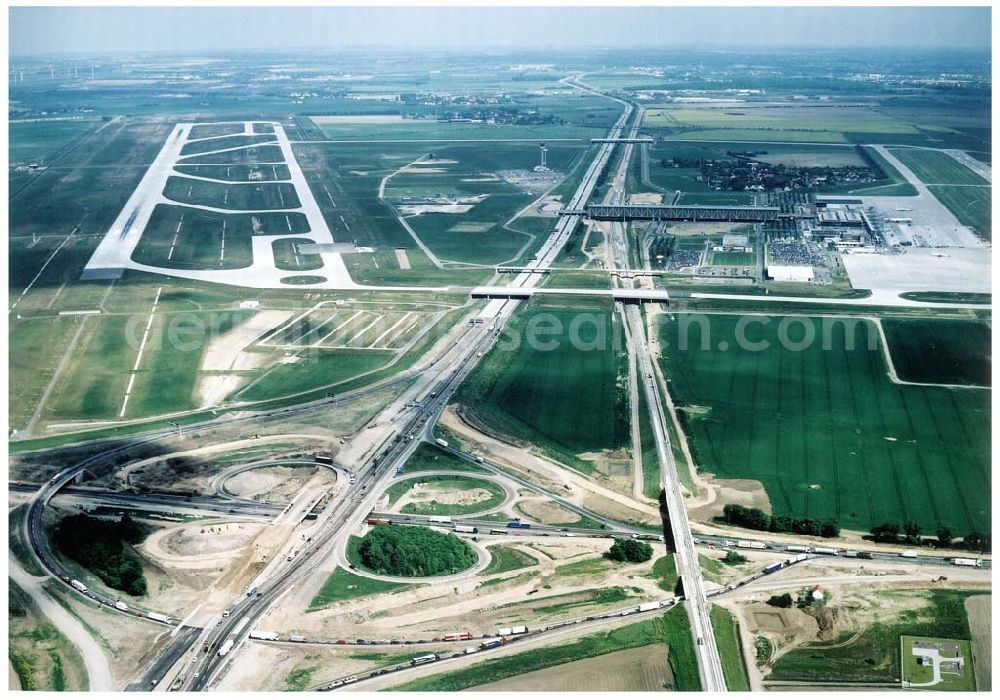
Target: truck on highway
908	554
442	443
226	647
439	519
378	521
865	555
78	586
296	638
426	659
771	568
750	544
159	617
470	650
503	632
963	561
121	606
828	551
652	538
466	528
514	524
798	548
646	607
494	531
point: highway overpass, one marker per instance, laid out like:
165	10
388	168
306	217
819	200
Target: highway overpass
627	296
679	212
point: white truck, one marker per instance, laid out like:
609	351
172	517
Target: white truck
121	606
750	544
519	630
78	586
466	528
226	647
798	548
442	443
963	561
439	519
908	554
646	607
159	617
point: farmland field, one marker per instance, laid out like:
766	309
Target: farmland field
970	205
826	431
936	168
940	351
727	634
797	120
567	400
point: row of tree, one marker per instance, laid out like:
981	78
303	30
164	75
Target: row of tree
911	533
756	519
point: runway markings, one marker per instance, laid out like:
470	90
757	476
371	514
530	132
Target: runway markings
325	189
173	244
222	251
344	221
138	357
40	271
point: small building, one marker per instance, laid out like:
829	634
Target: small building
249	304
790	273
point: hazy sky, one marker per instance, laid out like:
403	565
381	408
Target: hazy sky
93	30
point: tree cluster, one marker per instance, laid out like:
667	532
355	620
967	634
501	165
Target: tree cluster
784	600
99	546
630	550
910	533
756	519
414	551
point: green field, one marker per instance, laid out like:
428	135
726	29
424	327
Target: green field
872	654
566	400
970	205
811	121
237	173
190	239
507	559
288	257
665	570
428	457
940	351
343	585
727	636
445	483
936	168
241	196
242	156
317	369
672	629
39	655
223	142
950	680
734	259
825	431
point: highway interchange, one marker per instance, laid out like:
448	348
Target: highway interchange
190	660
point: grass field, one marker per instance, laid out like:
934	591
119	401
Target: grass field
936	168
734	259
223	142
940	351
970	205
671	629
189	239
794	120
825	431
873	655
237	173
507	559
429	457
343	585
40	655
665	570
317	369
242	196
727	636
288	257
445	484
566	400
242	156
